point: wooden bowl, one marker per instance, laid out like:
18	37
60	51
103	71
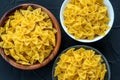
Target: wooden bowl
52	54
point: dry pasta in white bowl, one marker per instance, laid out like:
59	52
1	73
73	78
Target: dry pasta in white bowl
87	20
81	62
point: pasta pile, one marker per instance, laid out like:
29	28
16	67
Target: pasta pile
80	64
28	36
86	19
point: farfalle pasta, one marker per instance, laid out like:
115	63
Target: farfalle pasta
80	64
28	36
86	19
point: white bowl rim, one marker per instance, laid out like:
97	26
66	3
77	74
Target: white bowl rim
110	14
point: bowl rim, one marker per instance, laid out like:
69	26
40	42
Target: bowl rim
53	52
111	15
86	47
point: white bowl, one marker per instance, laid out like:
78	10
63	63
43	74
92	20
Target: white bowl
110	15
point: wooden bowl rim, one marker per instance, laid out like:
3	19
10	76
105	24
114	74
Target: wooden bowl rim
52	54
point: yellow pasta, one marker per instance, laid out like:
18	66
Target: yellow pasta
28	36
86	19
80	64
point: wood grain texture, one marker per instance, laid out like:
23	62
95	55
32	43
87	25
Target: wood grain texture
52	54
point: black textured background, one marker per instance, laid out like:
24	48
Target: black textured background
109	46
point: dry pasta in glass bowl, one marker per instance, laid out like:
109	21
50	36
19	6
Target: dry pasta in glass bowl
87	20
81	62
30	36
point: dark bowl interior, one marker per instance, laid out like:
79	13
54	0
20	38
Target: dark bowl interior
107	75
10	60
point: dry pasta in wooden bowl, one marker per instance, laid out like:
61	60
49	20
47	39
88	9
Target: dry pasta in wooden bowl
30	36
87	20
81	62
